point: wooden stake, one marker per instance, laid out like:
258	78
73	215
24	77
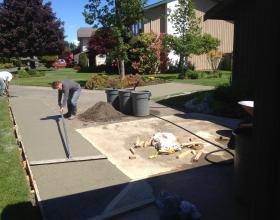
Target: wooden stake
183	154
197	156
24	164
132	150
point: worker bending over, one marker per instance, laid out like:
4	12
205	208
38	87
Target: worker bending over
71	91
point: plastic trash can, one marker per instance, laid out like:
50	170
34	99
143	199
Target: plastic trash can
113	97
125	101
141	103
243	164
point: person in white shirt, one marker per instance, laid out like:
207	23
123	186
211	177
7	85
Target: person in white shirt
5	78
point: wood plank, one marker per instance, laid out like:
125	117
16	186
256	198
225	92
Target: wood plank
66	160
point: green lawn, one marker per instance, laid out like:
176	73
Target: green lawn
53	75
14	194
67	73
177	101
207	80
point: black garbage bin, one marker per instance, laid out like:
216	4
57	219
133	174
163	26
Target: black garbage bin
243	164
113	97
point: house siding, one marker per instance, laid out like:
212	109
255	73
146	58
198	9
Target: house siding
156	21
223	30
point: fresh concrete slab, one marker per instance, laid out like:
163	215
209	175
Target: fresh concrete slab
78	190
136	195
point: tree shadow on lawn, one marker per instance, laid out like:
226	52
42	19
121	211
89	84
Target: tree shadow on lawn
23	211
177	102
81	82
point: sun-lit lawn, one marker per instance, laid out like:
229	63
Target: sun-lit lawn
69	73
208	79
53	75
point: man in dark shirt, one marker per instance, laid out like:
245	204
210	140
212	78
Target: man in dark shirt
71	91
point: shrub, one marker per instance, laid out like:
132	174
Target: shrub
48	60
147	53
214	57
22	73
83	60
97	82
35	73
17	62
101	81
77	67
192	74
182	75
6	65
131	81
30	73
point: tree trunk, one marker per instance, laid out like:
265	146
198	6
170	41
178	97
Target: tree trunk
119	26
181	64
122	69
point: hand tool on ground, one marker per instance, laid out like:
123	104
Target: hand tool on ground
69	156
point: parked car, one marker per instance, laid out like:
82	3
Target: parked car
60	63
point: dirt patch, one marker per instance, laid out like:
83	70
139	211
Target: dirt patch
101	112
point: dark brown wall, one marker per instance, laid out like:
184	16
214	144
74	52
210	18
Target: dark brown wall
245	47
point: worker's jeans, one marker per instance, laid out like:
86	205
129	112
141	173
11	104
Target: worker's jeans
72	102
2	87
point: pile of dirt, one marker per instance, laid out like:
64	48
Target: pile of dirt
101	112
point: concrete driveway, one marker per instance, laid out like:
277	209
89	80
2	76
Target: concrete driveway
83	190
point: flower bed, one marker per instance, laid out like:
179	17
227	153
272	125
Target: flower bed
101	81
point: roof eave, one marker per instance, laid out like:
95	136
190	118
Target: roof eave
225	10
157	4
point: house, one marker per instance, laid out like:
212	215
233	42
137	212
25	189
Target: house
83	35
256	63
244	69
156	20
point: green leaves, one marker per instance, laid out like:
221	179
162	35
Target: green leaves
29	28
118	15
188	39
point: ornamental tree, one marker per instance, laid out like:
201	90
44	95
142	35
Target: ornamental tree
102	42
119	15
29	28
188	38
147	52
